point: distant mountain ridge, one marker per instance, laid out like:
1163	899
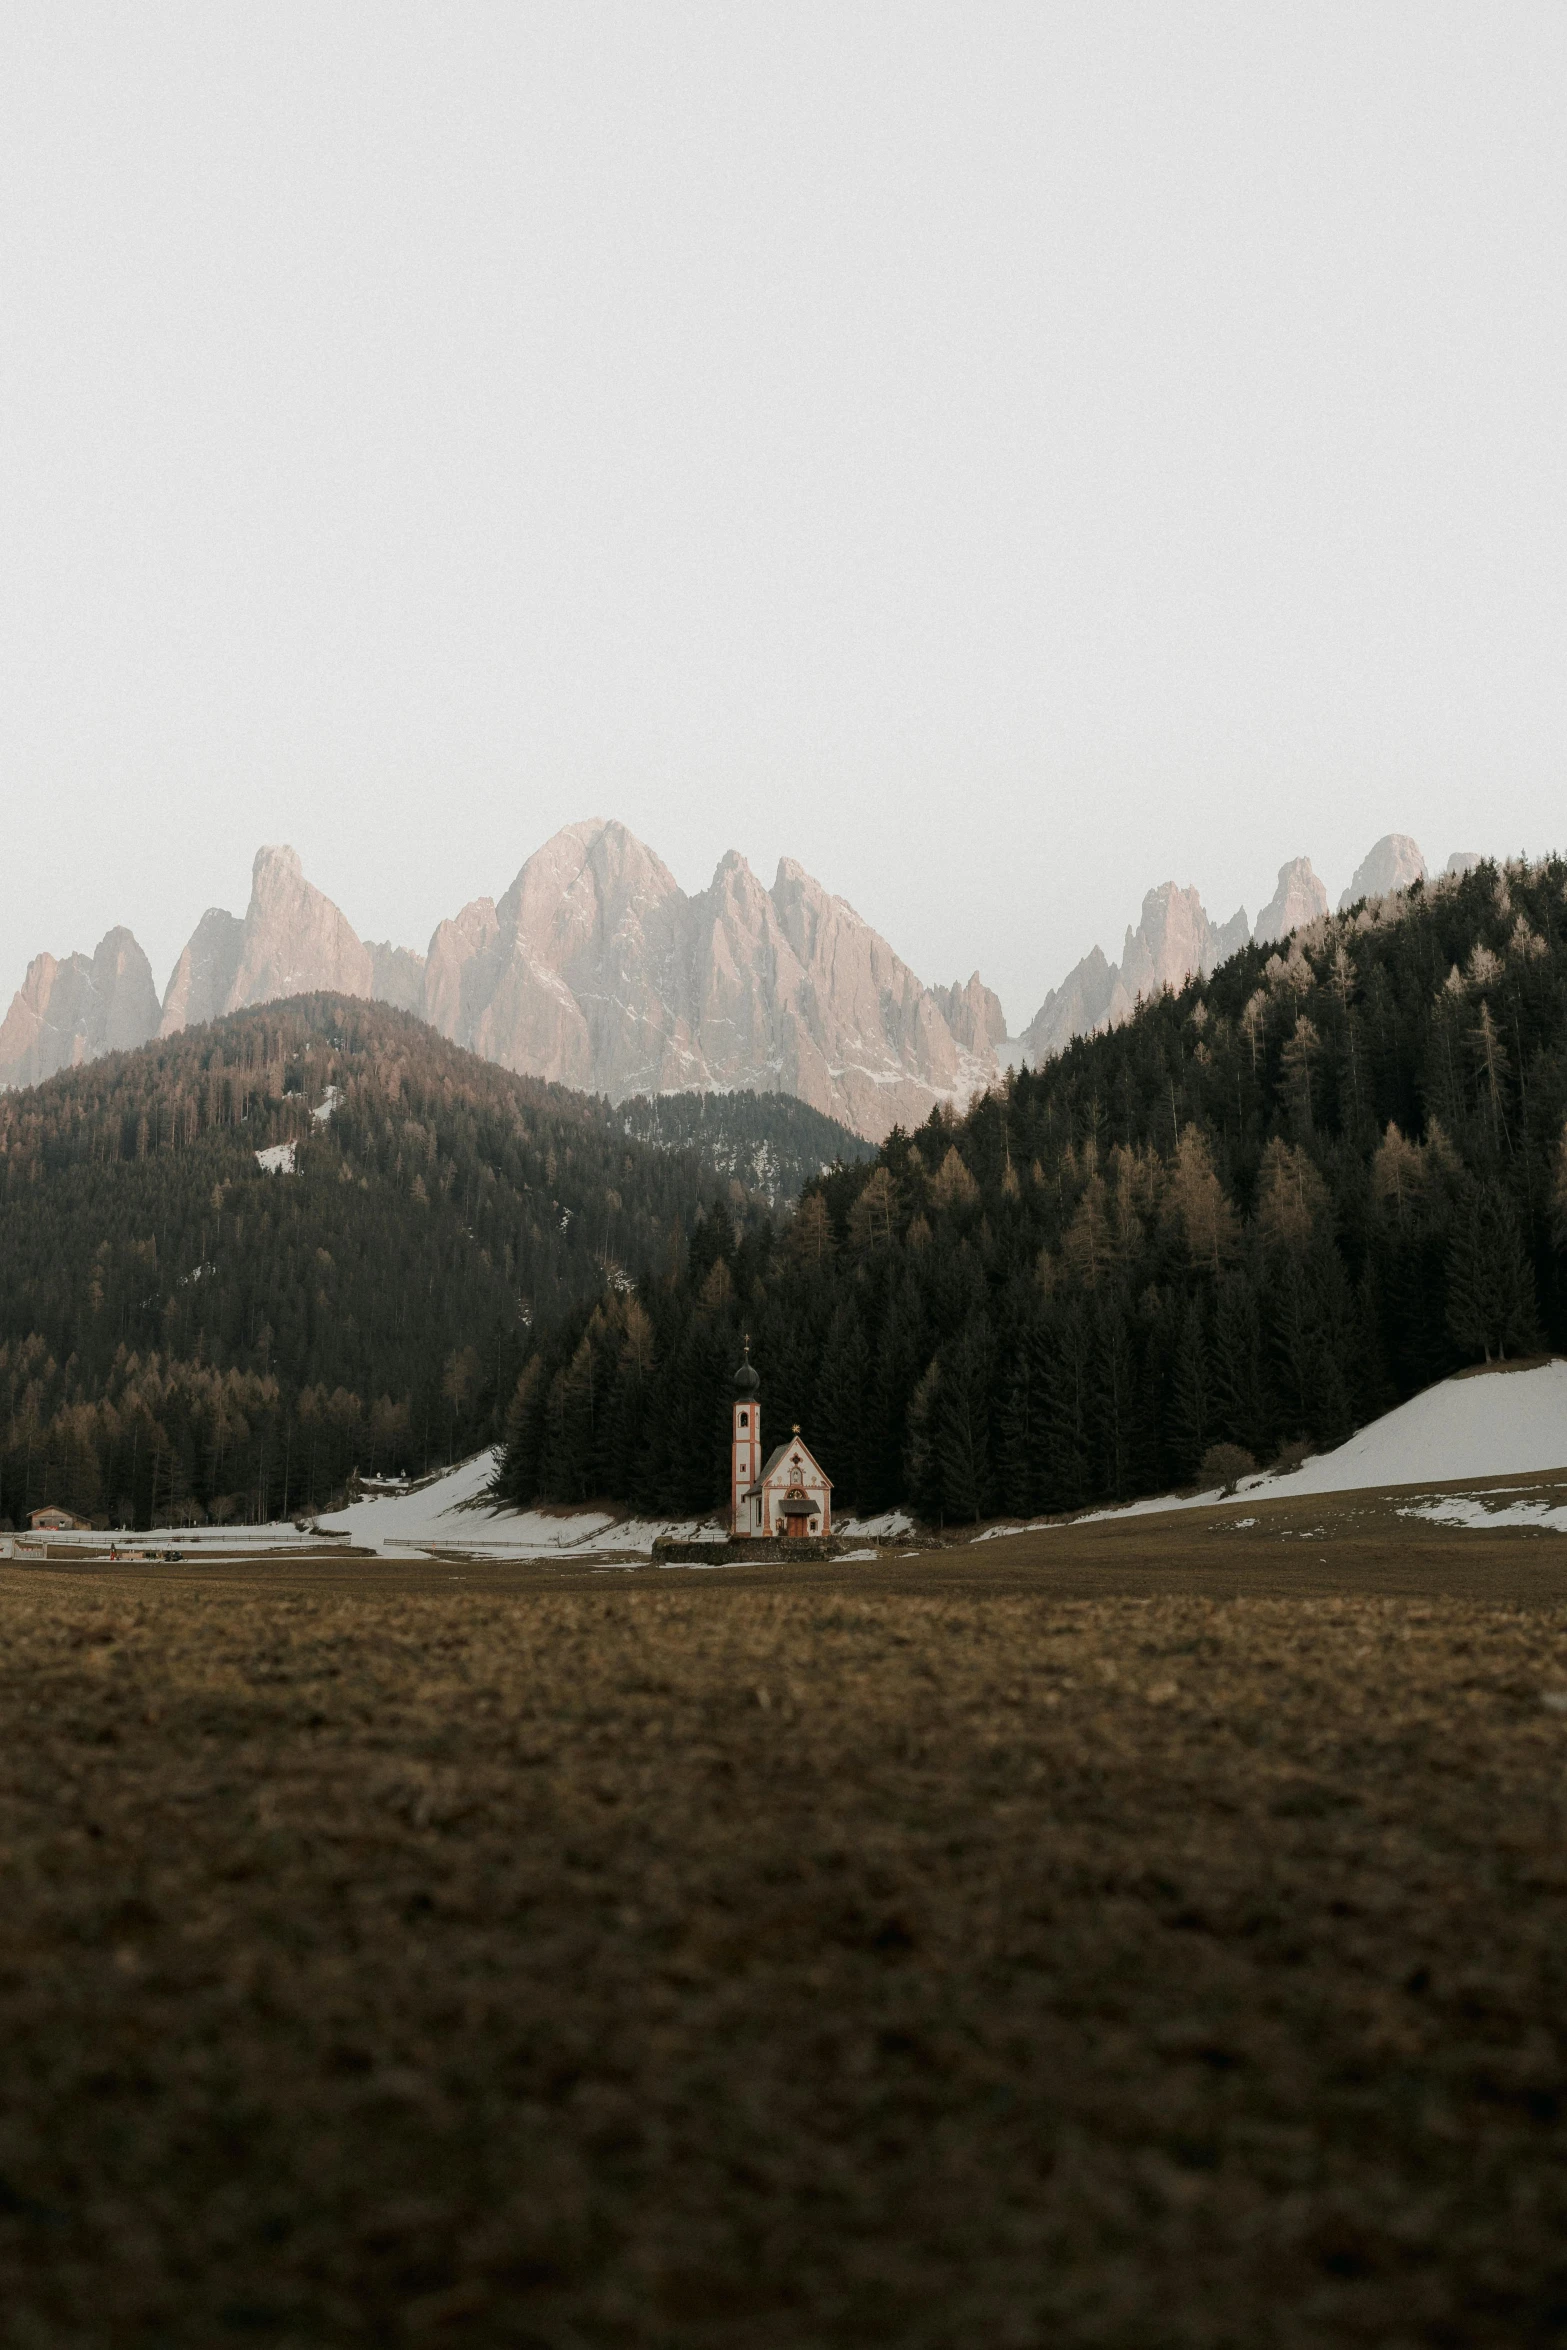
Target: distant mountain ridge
595	969
1174	937
1395	863
598	970
68	1012
1175	940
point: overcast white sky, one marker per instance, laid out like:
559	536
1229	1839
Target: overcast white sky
1002	456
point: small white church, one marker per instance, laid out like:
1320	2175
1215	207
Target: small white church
789	1495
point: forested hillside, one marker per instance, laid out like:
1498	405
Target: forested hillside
771	1143
185	1334
1266	1209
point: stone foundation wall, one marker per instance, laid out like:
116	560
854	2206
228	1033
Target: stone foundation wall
760	1549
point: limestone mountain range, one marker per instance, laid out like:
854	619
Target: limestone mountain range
1175	937
71	1011
594	968
597	970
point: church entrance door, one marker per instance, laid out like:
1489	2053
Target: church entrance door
796	1515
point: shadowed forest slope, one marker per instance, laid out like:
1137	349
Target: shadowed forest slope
1266	1209
771	1143
184	1334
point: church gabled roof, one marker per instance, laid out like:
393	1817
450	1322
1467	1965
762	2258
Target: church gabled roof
795	1444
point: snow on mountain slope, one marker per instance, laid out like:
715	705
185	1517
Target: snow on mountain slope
429	1512
1499	1422
1504	1420
449	1512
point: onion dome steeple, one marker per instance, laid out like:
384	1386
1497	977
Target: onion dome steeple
746	1380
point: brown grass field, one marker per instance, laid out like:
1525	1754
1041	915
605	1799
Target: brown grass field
1151	1933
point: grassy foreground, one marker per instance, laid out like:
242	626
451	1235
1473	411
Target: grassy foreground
1156	1939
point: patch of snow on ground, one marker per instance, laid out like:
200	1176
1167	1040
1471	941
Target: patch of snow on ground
890	1522
279	1160
642	1533
1474	1509
326	1105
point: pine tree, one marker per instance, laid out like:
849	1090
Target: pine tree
1068	1437
962	1421
1492	1307
1191	1394
1240	1395
1113	1374
1022	1424
922	1466
838	1418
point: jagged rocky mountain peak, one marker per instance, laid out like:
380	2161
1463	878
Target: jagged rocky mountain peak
585	883
397	975
458	950
292	940
202	978
295	938
597	970
72	1010
120	983
1173	938
276	866
1231	936
1392	864
1299	898
1172	934
600	971
973	1013
734	871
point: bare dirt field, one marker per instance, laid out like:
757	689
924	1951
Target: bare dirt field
1151	1933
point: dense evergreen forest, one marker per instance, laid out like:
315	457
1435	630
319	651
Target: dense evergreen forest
770	1143
1265	1210
186	1335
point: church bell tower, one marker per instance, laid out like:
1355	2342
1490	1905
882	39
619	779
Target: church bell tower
745	1449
